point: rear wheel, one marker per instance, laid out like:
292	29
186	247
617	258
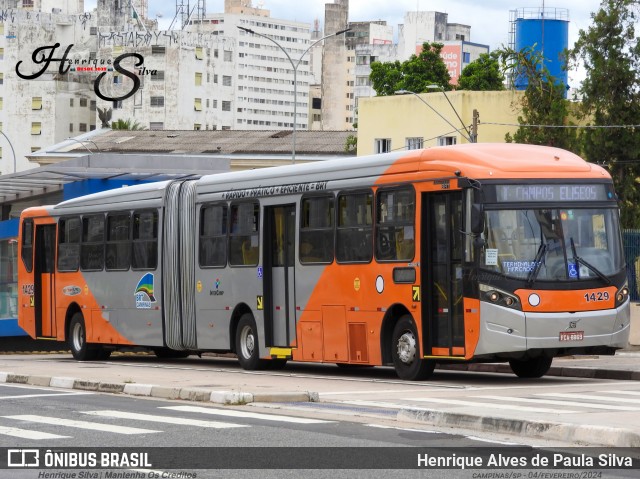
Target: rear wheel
531	368
247	346
405	350
77	340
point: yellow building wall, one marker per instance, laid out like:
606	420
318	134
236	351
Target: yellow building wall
400	117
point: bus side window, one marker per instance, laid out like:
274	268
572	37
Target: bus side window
145	240
69	234
395	225
213	236
316	230
27	245
118	247
244	237
92	247
355	228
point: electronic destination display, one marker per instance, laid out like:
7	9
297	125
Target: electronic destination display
553	192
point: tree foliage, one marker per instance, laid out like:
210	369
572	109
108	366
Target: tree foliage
610	54
483	74
544	109
127	124
414	74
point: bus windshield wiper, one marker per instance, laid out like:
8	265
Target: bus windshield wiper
581	261
537	264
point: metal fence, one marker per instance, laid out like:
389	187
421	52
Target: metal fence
631	241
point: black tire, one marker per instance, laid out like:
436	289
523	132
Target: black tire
247	344
405	350
77	340
168	353
531	368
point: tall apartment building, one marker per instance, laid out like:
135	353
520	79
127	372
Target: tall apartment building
373	41
212	75
43	110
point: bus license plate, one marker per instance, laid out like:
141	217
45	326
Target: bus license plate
571	335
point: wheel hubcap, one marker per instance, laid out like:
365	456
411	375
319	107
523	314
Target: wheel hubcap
407	347
247	342
77	336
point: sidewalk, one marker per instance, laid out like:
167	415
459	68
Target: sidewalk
144	376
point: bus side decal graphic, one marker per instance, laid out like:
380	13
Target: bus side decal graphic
144	292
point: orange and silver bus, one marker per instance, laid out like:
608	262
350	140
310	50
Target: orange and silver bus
470	253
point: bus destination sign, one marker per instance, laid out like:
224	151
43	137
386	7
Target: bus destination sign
555	192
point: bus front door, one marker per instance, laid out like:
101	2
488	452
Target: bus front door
279	275
443	312
43	287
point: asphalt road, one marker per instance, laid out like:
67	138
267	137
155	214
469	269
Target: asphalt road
48	419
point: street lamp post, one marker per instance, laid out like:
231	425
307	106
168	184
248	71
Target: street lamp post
295	75
15	168
466	137
472	136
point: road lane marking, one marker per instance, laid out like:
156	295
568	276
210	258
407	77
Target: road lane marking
163	419
26	434
630	393
244	414
551	401
596	398
25	396
457	402
93	426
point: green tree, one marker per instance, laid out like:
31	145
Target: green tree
610	54
128	124
545	111
483	74
414	74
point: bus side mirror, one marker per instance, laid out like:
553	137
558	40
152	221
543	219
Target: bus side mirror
477	218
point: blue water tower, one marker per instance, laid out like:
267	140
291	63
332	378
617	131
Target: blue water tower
547	31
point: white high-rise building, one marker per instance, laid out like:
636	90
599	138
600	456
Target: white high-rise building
44	106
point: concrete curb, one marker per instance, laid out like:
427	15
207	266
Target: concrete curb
149	390
591	435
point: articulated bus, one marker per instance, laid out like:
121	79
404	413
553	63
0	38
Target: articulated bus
470	253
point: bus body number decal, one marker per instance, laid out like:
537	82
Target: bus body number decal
599	296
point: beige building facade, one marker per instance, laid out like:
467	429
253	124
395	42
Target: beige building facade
403	122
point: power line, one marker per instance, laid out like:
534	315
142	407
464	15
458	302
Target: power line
593	127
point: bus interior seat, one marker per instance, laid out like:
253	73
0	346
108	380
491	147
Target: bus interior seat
249	253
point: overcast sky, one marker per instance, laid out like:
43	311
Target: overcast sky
489	19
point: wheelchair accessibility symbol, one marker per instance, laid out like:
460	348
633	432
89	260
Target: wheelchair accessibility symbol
573	271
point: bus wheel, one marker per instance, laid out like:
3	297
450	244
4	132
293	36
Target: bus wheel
247	347
406	352
77	340
531	368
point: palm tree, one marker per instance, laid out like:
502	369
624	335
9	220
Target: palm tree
128	124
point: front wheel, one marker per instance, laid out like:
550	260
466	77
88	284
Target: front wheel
77	340
531	368
247	347
405	350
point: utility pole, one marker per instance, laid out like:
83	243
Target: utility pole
474	126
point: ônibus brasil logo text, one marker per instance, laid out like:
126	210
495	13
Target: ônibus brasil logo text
44	55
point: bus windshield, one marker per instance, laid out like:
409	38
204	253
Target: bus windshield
553	244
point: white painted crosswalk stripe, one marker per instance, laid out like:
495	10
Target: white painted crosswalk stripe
476	404
627	393
245	414
596	398
162	419
27	434
92	426
548	401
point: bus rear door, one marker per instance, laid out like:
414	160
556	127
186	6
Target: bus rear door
443	312
44	281
279	275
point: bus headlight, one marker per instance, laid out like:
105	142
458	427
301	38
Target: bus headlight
622	295
497	296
